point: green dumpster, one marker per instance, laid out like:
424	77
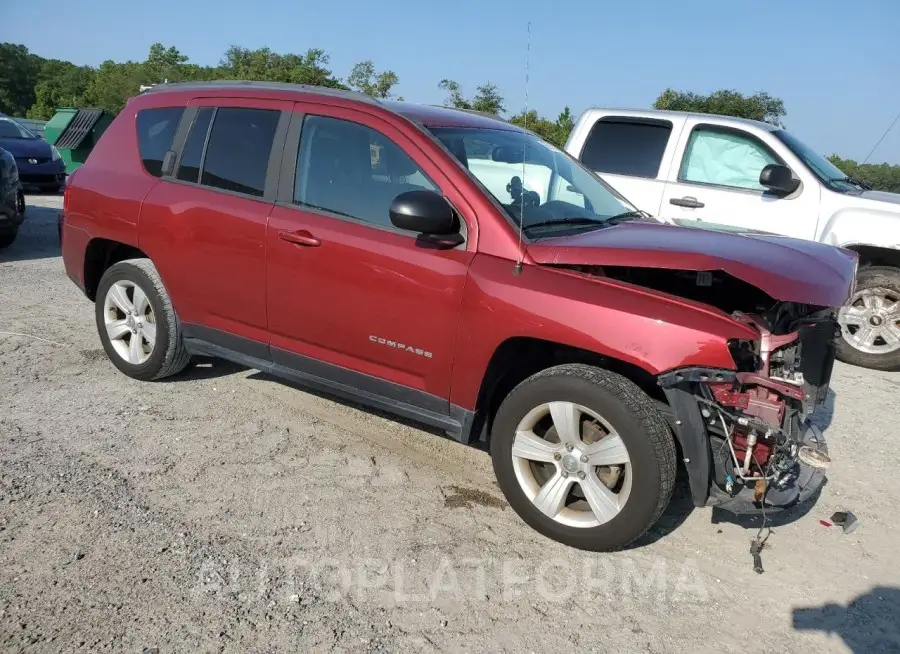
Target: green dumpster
74	132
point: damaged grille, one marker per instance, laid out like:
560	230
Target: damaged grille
817	352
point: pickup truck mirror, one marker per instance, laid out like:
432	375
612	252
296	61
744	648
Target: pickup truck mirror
425	212
778	178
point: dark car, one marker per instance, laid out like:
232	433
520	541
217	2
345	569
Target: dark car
40	165
415	260
12	200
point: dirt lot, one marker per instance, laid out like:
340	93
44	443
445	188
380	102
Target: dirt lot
227	511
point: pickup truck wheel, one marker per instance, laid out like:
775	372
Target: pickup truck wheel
583	456
870	322
136	322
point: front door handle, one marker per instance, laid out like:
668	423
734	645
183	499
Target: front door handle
688	201
300	237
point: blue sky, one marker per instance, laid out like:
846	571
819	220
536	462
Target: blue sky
834	63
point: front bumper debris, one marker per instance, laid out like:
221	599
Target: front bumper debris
799	486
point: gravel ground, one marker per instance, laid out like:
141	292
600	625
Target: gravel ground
227	511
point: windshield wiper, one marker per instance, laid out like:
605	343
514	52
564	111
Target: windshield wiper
852	180
583	220
627	215
576	220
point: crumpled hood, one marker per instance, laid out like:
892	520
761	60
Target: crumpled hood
25	148
786	269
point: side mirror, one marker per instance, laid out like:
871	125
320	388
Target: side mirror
429	214
778	178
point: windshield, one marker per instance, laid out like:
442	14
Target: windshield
819	165
534	180
10	129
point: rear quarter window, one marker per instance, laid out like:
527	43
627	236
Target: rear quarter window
156	131
626	147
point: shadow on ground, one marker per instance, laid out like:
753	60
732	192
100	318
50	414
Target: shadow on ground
38	236
869	623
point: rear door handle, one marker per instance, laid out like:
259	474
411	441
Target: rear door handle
688	201
300	237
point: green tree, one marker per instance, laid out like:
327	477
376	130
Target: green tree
61	84
487	97
565	123
455	97
531	121
759	106
882	177
19	71
555	132
113	83
488	100
364	78
164	64
264	65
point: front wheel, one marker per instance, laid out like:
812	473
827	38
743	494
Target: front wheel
583	456
870	322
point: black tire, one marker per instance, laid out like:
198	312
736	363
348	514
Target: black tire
873	277
20	202
169	356
631	413
8	237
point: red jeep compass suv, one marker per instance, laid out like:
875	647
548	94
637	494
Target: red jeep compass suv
457	270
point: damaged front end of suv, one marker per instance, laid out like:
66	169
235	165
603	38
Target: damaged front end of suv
745	431
746	435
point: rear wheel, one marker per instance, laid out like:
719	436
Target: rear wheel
583	456
136	322
870	322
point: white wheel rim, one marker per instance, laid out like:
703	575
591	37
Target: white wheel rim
870	322
574	481
129	322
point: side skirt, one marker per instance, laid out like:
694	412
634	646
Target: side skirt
341	382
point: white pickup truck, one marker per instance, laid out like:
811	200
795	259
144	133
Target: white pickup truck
719	172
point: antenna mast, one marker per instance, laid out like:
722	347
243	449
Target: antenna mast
518	268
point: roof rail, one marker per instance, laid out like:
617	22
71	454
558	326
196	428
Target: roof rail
262	86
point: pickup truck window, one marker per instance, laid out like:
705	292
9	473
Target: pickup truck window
352	170
626	147
532	180
724	158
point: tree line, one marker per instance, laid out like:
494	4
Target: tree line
32	86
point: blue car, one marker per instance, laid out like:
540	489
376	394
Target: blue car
39	163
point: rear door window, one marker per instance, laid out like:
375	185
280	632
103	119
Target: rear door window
192	153
626	147
238	149
156	130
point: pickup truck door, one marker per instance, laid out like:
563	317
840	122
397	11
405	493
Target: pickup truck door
714	183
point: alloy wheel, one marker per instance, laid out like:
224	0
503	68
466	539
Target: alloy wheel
571	464
871	321
130	322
